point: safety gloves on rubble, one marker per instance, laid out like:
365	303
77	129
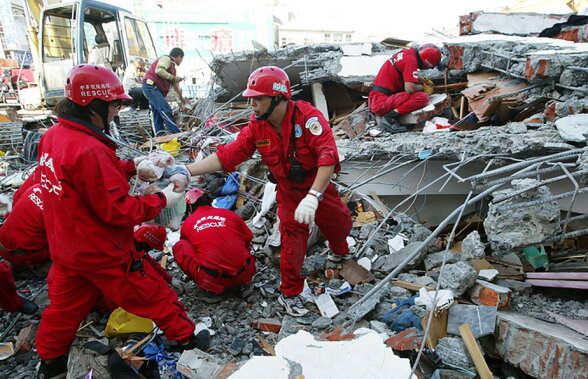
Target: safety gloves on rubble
171	197
306	210
5	205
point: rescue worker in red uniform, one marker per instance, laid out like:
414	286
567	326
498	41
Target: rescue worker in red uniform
297	144
215	245
22	242
89	217
396	89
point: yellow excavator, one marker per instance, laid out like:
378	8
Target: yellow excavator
66	34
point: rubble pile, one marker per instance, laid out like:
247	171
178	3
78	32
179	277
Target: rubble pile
468	249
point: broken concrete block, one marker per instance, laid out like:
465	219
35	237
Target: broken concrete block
453	350
541	349
394	259
354	273
508	229
573	128
516	286
322	322
472	247
436	259
267	324
314	264
488	274
424	281
409	339
481	318
486	293
516	23
237	346
26	339
398	293
458	277
357	311
196	364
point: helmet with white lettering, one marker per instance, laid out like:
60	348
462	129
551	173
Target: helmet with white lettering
87	82
268	81
152	235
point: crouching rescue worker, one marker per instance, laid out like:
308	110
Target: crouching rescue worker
297	144
22	242
396	89
89	217
215	245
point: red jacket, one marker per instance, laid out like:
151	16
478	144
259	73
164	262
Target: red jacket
89	214
24	228
315	144
220	238
388	77
162	84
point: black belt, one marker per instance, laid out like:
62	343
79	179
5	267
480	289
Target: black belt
215	273
383	90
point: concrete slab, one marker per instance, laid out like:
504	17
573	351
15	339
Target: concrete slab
541	349
517	23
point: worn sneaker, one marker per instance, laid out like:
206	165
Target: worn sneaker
294	305
28	307
56	369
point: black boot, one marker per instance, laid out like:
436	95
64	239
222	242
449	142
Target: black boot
200	341
28	307
389	123
56	369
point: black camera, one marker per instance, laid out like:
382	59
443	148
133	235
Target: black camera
296	172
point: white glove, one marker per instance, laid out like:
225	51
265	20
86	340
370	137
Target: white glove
305	211
138	160
180	182
171	196
5	205
161	158
148	171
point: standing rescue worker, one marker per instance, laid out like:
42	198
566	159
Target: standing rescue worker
215	245
23	241
89	217
396	89
157	82
297	144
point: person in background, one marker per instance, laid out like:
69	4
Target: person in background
133	84
215	245
158	80
396	88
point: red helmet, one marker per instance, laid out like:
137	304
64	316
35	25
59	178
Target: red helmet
430	55
153	235
193	195
87	82
268	81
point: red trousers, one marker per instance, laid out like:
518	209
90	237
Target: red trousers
73	294
186	258
333	219
9	299
402	102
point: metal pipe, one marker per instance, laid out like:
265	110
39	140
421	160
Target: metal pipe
499	199
576	189
503	71
519	165
572	88
525	175
380	174
493	98
578	68
540	201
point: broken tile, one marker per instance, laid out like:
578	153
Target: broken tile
486	293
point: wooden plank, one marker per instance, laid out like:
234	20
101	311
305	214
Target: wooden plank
438	328
475	352
558	275
580	326
582	285
412	286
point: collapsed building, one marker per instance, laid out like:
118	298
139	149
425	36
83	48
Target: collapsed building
469	237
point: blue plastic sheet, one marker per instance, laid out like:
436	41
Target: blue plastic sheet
231	185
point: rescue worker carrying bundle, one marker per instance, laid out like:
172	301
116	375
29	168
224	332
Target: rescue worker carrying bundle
397	90
89	217
215	245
